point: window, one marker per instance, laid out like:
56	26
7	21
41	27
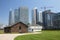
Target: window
20	28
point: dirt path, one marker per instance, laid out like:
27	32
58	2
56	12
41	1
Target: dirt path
12	36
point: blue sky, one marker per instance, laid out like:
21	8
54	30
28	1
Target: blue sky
5	6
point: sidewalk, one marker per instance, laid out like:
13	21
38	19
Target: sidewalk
12	36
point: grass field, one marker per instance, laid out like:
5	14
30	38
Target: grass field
1	31
45	35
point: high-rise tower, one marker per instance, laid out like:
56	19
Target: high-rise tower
11	17
35	16
24	15
19	15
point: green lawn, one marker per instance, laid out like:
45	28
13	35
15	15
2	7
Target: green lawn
1	31
45	35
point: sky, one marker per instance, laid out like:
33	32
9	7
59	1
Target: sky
6	5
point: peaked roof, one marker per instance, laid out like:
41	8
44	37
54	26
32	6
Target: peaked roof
18	23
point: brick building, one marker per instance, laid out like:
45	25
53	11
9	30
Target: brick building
16	28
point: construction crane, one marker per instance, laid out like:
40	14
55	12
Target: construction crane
44	8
